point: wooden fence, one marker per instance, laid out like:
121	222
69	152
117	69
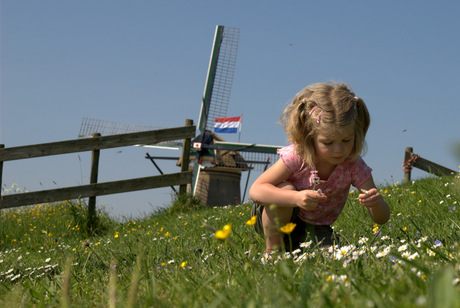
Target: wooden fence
412	160
95	144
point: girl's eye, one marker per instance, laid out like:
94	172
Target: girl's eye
327	143
347	140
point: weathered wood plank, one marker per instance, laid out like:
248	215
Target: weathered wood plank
99	189
433	168
89	144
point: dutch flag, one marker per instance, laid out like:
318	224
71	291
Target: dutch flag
228	124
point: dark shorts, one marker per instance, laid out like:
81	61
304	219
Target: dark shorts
303	232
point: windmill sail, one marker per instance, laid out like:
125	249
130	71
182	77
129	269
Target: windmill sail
220	76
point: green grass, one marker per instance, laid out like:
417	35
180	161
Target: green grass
172	258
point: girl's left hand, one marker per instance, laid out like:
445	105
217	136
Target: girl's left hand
370	198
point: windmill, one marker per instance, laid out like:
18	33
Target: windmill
217	164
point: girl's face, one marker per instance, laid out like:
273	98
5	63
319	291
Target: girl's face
333	147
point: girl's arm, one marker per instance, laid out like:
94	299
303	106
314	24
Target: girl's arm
265	190
371	198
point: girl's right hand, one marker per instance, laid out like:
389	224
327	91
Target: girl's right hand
309	199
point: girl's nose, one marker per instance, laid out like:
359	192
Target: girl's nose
338	148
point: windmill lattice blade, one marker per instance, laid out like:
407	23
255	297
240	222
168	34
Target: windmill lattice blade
105	128
223	78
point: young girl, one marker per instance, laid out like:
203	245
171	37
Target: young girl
310	183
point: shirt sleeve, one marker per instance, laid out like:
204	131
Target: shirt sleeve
360	172
290	158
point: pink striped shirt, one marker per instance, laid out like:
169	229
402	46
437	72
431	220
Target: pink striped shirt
336	187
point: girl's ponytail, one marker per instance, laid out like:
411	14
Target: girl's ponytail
363	117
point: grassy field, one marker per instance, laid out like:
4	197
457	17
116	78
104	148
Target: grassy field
193	256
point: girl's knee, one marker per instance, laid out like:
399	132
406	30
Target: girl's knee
287	186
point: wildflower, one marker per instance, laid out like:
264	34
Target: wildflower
375	229
48	260
224	233
288	228
183	264
430	252
402	248
251	221
15	277
384	252
404	229
306	244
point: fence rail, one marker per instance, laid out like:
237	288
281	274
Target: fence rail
412	160
95	144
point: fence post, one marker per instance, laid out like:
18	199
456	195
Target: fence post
93	180
407	169
185	157
1	171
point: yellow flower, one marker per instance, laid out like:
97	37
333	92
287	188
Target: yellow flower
375	229
251	221
183	264
167	234
224	233
288	228
404	229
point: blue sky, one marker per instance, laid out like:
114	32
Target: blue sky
145	62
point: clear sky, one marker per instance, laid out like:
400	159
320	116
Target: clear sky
145	62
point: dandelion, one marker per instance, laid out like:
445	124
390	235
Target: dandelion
183	264
288	228
404	229
251	221
224	232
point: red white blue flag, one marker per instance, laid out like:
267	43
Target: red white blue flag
228	124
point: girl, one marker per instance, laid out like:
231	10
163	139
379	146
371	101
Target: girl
310	183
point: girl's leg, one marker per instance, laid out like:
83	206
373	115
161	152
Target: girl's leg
274	217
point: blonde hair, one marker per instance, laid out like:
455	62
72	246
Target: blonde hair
328	106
